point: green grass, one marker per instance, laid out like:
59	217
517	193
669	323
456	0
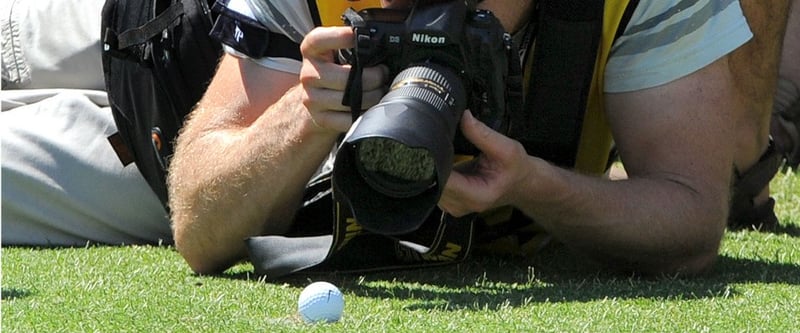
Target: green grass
754	287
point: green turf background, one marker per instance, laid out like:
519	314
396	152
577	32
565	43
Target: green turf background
753	288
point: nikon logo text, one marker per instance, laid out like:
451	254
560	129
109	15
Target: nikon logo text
427	39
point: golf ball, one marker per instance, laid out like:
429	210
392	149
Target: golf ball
320	302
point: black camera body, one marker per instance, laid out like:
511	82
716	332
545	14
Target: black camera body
445	57
454	34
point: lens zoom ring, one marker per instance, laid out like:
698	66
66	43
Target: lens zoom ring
422	93
425	73
425	84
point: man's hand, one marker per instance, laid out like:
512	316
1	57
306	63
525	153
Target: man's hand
324	81
489	180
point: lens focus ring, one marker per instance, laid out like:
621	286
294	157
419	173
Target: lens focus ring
428	83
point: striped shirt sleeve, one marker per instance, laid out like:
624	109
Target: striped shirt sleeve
666	40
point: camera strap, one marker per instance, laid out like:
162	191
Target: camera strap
318	245
353	90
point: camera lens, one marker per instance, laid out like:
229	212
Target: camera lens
394	161
404	166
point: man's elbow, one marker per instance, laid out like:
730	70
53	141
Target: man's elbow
205	260
685	266
204	264
691	261
199	264
695	257
661	266
700	248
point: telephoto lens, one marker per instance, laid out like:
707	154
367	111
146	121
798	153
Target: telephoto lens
394	162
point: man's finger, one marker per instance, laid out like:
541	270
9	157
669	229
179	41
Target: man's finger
320	42
487	140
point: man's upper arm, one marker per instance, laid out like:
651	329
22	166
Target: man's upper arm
670	97
245	89
681	131
250	82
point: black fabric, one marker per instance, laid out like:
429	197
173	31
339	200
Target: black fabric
249	37
744	213
158	60
626	18
274	257
568	33
319	243
141	34
314	10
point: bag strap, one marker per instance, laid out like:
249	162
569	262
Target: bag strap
150	29
567	35
114	43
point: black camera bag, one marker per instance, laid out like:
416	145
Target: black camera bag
158	59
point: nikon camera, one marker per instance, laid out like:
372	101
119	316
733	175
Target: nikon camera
445	57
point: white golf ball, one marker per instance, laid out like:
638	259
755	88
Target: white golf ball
320	302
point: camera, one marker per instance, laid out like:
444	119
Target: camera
445	57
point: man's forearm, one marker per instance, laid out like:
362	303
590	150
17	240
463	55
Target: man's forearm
657	224
230	183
